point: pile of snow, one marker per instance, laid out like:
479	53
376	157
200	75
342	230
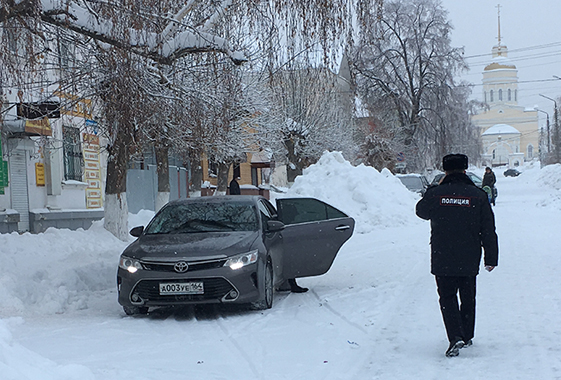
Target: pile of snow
19	363
374	199
59	270
551	176
548	179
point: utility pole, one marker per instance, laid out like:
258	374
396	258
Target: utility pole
548	136
556	142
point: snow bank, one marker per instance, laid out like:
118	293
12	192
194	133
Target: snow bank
60	269
19	363
374	199
551	176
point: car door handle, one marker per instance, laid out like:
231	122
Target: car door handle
342	228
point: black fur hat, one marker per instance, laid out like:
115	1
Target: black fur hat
454	162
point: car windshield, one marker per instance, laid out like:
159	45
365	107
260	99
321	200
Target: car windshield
204	217
411	182
475	178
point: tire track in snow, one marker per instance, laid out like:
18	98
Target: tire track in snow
337	313
240	349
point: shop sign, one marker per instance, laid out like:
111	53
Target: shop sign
40	174
39	126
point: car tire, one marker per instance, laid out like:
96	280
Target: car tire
134	310
268	290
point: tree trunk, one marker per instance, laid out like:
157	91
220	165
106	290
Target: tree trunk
196	174
116	208
222	178
162	160
294	167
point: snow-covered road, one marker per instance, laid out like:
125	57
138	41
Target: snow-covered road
374	315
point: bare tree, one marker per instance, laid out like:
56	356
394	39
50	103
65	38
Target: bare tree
145	53
407	63
310	112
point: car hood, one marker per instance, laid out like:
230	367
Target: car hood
191	246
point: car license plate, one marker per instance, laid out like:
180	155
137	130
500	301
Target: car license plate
172	288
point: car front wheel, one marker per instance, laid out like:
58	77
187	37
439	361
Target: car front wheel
268	291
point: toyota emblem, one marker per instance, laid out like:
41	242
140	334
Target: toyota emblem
181	267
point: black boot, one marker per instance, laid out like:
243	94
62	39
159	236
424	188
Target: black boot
295	288
454	348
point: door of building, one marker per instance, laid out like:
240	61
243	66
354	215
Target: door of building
18	187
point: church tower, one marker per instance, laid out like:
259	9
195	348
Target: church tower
500	77
509	132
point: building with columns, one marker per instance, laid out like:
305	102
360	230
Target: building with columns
509	132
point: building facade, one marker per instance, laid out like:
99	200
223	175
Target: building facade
54	167
509	132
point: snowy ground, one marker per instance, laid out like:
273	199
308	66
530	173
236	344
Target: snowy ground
374	315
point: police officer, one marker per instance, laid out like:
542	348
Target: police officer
462	221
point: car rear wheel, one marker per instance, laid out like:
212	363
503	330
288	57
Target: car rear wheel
268	291
133	310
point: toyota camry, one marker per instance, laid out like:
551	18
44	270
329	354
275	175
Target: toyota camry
228	249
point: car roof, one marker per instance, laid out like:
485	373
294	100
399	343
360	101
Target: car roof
220	199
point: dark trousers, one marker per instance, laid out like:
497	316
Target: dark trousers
459	318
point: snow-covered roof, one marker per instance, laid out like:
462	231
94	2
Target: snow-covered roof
500	62
501	129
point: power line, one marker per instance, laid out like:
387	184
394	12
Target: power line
518	82
545	46
522	58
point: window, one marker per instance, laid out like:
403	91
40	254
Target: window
304	210
500	94
491	95
66	54
72	150
212	168
237	172
254	177
267	212
530	151
509	95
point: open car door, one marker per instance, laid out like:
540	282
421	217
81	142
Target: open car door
313	234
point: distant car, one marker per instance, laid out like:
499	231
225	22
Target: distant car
414	182
477	180
228	249
511	173
474	177
437	178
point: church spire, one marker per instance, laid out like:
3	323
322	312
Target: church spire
499	28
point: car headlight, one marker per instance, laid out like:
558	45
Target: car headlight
128	264
240	261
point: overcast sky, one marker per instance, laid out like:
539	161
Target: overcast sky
531	30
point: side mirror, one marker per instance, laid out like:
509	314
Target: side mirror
274	226
137	231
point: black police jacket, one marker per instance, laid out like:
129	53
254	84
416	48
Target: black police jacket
462	222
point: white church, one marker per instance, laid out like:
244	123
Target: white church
509	132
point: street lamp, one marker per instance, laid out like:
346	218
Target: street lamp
547	124
555	129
